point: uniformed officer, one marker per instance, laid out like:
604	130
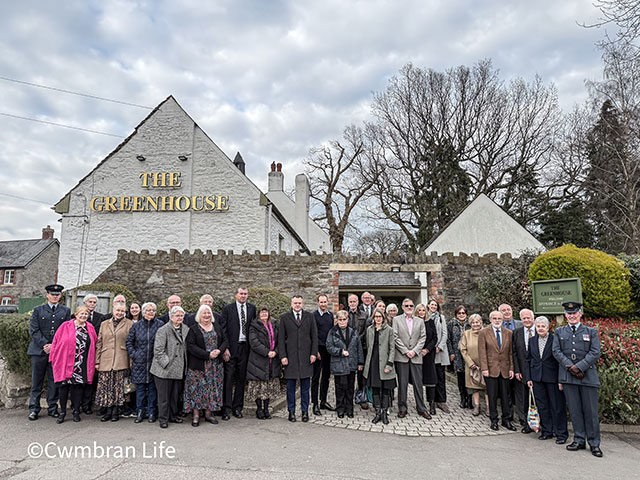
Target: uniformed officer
576	347
43	325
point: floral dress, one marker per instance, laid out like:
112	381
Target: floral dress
203	389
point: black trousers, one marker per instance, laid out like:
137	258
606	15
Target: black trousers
89	392
462	387
344	392
498	387
168	396
521	401
76	392
441	385
41	369
235	378
552	408
321	375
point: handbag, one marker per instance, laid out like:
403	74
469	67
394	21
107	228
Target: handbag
476	376
533	417
361	397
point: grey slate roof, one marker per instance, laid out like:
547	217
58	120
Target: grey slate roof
20	253
378	279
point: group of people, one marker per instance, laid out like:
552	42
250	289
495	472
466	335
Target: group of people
202	363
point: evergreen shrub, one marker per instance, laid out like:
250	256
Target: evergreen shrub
605	280
14	342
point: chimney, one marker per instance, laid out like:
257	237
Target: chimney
238	161
47	233
302	207
276	178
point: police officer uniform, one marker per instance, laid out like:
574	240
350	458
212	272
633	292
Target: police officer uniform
43	325
577	350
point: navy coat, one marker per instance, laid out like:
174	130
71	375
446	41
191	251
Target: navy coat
43	325
543	369
140	347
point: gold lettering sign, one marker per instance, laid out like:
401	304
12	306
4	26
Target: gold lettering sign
162	203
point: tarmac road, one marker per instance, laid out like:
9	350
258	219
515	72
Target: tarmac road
276	449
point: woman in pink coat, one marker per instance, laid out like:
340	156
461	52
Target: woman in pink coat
73	359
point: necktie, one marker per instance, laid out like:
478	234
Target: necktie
498	338
53	308
528	338
298	318
243	321
573	329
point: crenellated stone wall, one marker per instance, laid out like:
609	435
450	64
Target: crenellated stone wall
452	279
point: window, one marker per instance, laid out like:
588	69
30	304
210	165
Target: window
6	301
280	243
9	277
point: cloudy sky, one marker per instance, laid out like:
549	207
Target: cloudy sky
267	78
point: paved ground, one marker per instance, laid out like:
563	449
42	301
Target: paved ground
458	423
326	447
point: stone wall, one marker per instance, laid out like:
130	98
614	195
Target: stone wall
451	279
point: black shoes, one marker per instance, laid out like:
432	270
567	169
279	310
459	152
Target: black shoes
164	425
139	417
596	452
53	413
464	401
259	409
176	420
575	446
225	416
33	416
76	416
237	413
508	426
494	426
152	418
561	441
327	406
545	437
316	410
385	417
350	414
265	410
526	429
292	417
60	418
305	416
212	420
432	408
87	410
340	414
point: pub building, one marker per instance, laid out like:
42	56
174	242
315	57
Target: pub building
169	186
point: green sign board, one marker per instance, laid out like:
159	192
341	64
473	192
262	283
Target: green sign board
28	304
549	295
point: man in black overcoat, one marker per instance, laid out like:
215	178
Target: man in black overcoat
297	348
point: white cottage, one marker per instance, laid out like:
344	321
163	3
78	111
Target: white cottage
169	186
483	227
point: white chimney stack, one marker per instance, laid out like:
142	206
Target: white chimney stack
276	178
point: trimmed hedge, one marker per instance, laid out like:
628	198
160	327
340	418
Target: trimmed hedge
277	303
632	263
605	280
14	342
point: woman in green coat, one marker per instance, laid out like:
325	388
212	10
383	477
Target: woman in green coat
378	368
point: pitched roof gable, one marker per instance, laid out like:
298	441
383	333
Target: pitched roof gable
20	253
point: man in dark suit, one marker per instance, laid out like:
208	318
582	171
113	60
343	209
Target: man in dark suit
521	337
496	363
324	323
206	299
43	325
172	301
541	373
236	318
297	348
576	347
367	304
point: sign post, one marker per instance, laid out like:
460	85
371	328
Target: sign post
549	295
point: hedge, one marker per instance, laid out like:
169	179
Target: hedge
14	342
632	263
605	280
191	303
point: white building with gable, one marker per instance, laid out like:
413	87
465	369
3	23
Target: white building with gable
169	186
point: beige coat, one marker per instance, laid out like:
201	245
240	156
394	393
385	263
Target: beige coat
469	351
111	348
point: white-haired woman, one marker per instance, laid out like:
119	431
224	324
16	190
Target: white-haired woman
168	366
203	386
140	347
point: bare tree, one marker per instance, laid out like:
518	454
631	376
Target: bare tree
379	241
445	137
340	176
625	15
